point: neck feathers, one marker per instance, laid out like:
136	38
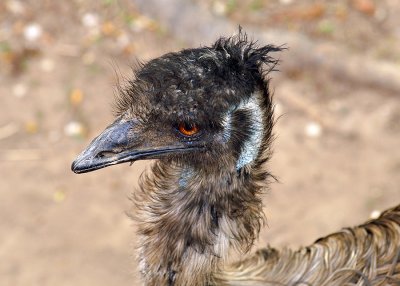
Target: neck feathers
192	217
189	221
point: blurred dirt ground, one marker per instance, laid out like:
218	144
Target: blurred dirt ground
337	153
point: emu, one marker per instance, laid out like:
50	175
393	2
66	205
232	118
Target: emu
206	116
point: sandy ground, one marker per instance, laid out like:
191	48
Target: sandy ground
56	88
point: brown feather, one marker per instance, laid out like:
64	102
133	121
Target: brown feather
368	254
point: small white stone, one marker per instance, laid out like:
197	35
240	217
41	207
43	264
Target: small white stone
219	8
73	129
90	20
32	32
278	109
47	65
139	24
313	130
123	40
19	90
375	214
15	7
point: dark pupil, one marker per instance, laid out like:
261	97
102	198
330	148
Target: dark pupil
188	126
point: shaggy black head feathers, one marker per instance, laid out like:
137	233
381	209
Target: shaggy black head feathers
184	84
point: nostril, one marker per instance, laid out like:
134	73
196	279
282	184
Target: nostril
99	155
104	154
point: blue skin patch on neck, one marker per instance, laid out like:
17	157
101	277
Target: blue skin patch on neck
186	175
252	146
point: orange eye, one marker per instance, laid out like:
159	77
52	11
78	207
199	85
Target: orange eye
188	129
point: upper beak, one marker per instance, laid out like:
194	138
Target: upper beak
121	142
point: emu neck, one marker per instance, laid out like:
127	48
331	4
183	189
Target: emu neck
190	220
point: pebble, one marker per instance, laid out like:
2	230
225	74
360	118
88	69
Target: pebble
76	97
74	129
19	90
90	20
375	214
108	28
47	65
59	196
219	8
15	7
31	127
123	40
365	6
313	130
278	109
139	24
32	32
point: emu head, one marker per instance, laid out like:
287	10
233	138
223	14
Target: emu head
208	107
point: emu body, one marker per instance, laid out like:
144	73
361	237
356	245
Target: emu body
368	254
206	116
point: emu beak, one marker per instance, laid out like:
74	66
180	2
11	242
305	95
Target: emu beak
122	142
106	149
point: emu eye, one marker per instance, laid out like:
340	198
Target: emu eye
188	129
